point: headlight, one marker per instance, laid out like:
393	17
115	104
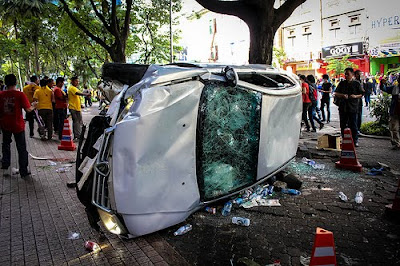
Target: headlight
112	223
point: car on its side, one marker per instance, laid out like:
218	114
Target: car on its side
179	137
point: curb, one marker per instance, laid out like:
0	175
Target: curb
373	136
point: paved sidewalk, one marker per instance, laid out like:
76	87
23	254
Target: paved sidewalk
37	214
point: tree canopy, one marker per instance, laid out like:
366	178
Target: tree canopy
75	37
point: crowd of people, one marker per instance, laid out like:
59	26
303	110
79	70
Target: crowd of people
347	94
44	101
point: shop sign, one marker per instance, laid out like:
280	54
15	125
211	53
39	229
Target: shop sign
344	49
385	50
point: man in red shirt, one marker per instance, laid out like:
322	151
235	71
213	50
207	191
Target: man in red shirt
61	105
306	102
12	123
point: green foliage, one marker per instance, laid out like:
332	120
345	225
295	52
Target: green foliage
279	57
374	128
27	26
380	109
337	66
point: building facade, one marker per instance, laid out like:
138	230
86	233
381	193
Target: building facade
322	29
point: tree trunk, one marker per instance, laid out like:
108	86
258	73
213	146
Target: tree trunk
36	53
117	52
261	43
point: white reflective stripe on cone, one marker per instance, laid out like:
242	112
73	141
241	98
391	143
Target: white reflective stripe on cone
65	128
347	141
324	252
347	136
347	154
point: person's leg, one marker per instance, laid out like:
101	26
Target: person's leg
359	118
30	118
394	130
323	110
6	160
22	153
41	130
352	121
62	114
56	125
90	101
328	109
304	116
86	102
77	122
310	116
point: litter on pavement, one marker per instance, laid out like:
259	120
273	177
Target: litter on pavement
73	235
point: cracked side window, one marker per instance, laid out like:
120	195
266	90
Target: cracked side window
227	139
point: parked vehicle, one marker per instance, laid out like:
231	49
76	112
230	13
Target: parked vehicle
179	137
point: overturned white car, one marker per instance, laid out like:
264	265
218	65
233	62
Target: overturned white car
178	137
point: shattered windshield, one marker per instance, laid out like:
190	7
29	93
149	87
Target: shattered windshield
227	139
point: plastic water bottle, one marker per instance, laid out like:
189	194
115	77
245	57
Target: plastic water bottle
359	197
247	193
183	230
238	201
227	209
308	161
259	190
241	221
342	196
210	210
318	166
291	191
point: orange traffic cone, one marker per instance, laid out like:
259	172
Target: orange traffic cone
395	206
66	141
324	249
348	157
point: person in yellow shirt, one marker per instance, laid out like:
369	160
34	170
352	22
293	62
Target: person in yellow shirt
44	96
74	105
29	90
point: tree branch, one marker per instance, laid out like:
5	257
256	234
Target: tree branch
285	10
125	30
83	28
236	8
114	21
101	17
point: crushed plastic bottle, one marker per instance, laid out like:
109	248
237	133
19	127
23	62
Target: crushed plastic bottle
359	197
318	166
308	161
342	196
210	210
227	209
241	221
291	191
183	230
313	164
247	193
238	201
92	246
259	190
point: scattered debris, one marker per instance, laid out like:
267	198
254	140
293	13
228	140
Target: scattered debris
305	261
241	221
14	171
342	196
291	191
51	163
313	164
359	197
63	170
211	210
392	236
71	184
291	180
276	263
73	235
365	240
375	171
92	246
183	230
227	209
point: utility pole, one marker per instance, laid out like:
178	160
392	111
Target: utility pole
171	54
